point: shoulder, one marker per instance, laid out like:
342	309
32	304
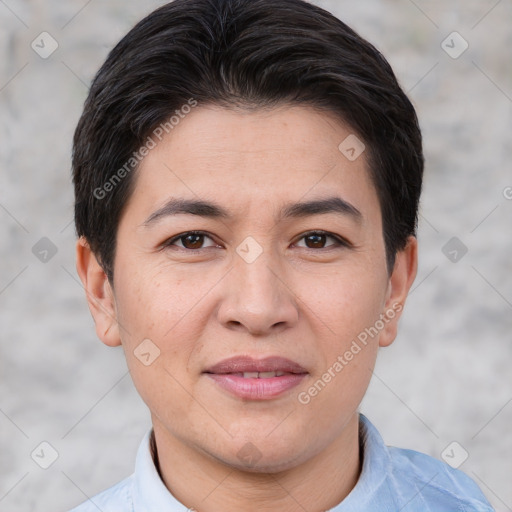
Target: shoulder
426	480
117	498
409	481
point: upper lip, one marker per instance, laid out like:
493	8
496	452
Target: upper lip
241	364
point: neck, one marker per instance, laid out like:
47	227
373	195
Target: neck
206	484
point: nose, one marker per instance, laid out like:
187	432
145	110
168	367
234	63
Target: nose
257	299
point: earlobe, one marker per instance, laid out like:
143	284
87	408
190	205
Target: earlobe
99	294
400	282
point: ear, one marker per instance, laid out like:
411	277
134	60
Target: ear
100	295
400	282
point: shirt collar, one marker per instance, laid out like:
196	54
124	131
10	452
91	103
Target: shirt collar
376	466
150	493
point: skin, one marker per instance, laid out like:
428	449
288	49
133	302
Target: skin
304	299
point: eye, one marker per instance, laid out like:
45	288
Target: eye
195	240
191	240
317	240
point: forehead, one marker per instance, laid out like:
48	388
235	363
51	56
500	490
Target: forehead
230	135
263	156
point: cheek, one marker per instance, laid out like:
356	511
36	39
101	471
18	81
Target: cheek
160	305
152	301
346	309
349	308
347	302
159	334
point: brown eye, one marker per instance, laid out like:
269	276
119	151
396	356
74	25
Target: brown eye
315	241
318	240
191	240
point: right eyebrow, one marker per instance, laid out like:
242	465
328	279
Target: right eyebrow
175	206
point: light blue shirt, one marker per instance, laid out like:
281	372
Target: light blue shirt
391	480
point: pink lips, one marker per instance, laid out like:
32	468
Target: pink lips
229	374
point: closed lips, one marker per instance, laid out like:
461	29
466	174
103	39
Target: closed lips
259	375
251	378
250	367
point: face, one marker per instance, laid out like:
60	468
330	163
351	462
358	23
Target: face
286	260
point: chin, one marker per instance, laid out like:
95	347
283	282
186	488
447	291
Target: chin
260	457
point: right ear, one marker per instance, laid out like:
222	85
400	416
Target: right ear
100	295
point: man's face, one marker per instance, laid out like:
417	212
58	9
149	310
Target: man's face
255	282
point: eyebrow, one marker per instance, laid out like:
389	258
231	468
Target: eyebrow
176	206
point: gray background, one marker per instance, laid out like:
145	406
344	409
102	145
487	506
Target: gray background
446	378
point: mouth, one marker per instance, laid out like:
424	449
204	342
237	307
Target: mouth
258	375
256	379
248	365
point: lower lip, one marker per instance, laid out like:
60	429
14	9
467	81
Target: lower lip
257	389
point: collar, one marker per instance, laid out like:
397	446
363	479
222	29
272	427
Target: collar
375	468
150	493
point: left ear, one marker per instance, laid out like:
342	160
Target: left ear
400	282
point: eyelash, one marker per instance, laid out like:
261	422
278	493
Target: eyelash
339	241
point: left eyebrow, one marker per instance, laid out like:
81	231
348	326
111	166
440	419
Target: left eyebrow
177	206
319	206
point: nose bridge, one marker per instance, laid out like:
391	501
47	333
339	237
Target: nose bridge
258	280
258	299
